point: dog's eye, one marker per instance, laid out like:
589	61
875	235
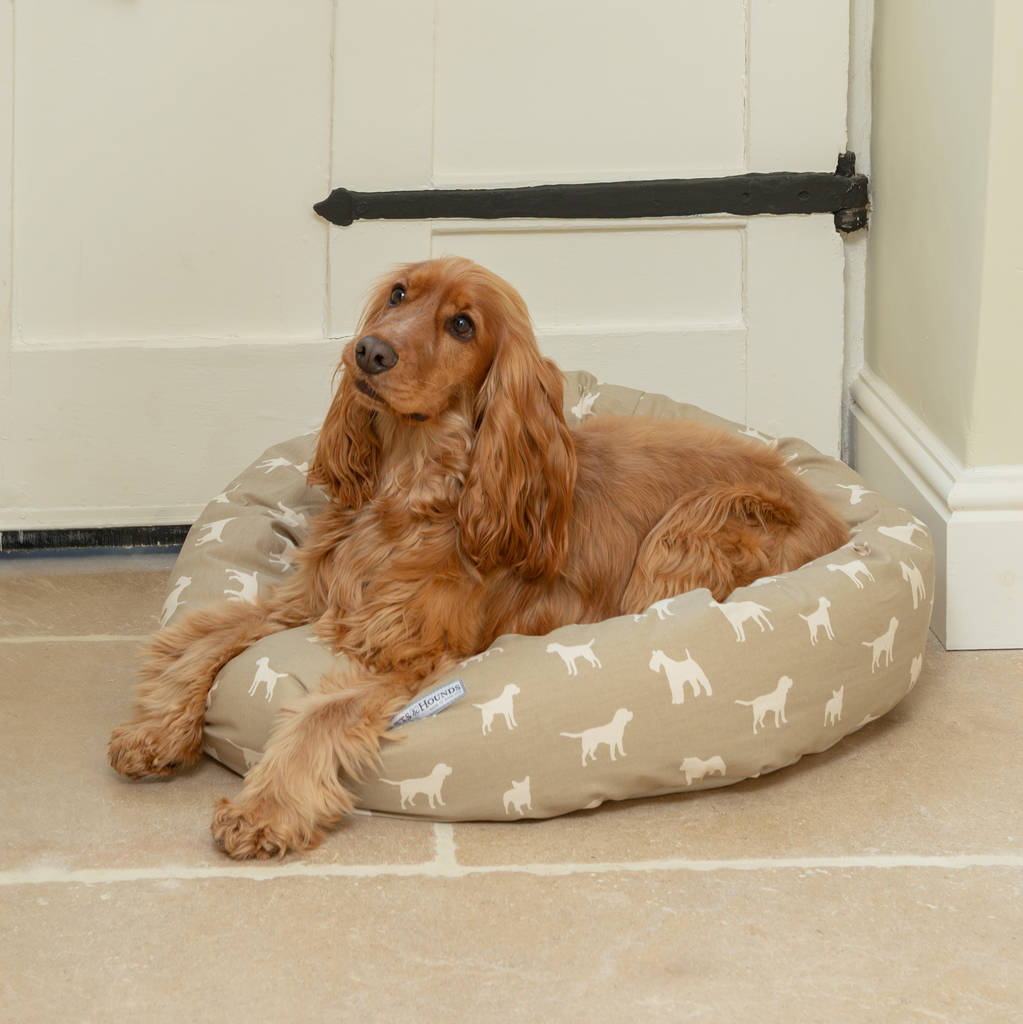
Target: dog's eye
462	327
397	295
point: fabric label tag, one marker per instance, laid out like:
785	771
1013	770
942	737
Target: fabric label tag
428	704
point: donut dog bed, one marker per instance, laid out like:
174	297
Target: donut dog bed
691	694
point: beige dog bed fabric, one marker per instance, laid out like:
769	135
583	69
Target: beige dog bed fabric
689	695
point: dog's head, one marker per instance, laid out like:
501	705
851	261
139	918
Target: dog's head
449	334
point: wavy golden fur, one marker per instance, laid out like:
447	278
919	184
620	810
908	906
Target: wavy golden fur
462	507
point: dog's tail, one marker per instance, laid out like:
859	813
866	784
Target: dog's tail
746	703
573	735
389	782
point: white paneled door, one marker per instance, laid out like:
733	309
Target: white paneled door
174	305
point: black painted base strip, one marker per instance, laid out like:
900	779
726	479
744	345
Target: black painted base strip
98	537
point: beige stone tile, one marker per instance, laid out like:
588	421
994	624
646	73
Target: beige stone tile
64	806
76	603
767	946
940	773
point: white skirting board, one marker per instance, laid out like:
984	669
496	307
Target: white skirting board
975	517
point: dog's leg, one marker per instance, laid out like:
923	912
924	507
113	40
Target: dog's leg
182	661
295	793
719	537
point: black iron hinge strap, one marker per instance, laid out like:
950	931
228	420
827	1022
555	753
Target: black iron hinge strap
843	194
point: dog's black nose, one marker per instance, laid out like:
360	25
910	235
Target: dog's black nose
374	355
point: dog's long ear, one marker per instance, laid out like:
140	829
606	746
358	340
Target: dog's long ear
517	501
348	449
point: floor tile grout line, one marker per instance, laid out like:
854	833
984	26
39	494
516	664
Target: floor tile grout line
88	638
445	865
446	856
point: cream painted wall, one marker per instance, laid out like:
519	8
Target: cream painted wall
996	434
944	272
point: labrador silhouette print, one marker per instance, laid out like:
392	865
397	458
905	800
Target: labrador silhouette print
856	492
173	601
818	620
915	578
882	646
518	798
428	786
501	705
248	587
609	735
695	769
570	655
266	676
584	407
739	613
213	533
904	534
285	558
773	702
854	570
914	669
478	659
679	673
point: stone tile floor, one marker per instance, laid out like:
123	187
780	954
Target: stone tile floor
878	881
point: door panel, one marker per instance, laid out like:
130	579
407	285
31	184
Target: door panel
176	305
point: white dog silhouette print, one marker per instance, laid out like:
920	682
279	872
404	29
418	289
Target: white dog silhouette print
429	786
477	659
662	608
754	434
696	769
215	534
818	620
881	646
903	534
174	602
265	674
518	798
269	465
248	589
833	708
853	570
914	670
610	735
569	655
679	673
915	578
740	612
285	558
501	705
584	407
856	492
770	702
290	517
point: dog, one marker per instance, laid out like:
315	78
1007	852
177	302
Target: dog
612	734
770	702
696	769
679	673
819	619
881	646
740	612
518	797
461	507
428	786
569	655
503	705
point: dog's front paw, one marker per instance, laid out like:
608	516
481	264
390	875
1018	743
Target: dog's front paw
258	830
146	749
